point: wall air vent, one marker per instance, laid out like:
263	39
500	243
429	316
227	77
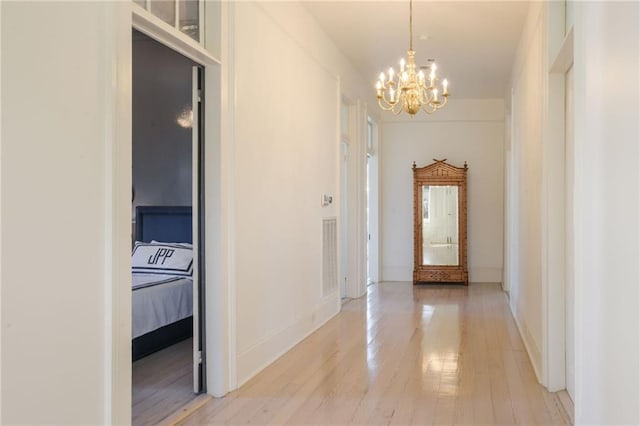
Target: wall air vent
329	256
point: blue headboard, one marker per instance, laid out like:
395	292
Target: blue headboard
168	224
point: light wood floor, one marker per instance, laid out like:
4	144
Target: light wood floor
402	355
162	383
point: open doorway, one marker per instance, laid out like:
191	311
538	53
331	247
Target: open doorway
167	278
345	139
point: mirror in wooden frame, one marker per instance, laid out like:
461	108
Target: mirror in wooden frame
440	218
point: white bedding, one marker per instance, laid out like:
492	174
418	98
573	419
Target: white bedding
156	305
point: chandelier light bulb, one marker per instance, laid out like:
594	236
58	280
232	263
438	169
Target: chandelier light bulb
445	87
401	64
382	77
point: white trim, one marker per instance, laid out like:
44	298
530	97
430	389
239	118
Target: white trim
156	28
361	200
560	58
227	157
176	14
117	134
529	343
356	226
373	204
219	288
1	201
201	20
509	217
219	127
195	223
342	199
268	349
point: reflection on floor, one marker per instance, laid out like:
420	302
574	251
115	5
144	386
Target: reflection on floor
402	355
440	254
162	383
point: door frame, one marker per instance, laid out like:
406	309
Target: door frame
218	380
570	281
372	181
198	211
559	48
219	291
356	203
344	216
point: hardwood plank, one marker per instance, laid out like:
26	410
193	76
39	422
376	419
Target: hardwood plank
401	355
162	384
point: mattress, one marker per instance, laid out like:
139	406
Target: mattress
159	300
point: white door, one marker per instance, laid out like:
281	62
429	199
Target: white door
368	191
372	203
344	240
569	236
197	212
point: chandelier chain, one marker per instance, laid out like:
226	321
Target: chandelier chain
410	24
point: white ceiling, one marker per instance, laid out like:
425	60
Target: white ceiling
473	42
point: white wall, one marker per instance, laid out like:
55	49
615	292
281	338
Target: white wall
606	211
286	155
465	130
63	250
607	90
66	162
525	197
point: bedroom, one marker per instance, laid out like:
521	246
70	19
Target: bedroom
163	296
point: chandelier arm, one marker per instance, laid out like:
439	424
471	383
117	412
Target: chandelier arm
424	96
387	101
429	108
385	108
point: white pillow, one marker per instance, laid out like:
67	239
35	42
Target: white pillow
162	258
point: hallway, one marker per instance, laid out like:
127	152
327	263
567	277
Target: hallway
402	355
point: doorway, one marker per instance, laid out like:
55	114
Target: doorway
167	222
346	130
344	216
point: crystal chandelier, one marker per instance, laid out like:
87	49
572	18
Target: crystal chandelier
409	90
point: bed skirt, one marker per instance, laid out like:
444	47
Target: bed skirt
162	338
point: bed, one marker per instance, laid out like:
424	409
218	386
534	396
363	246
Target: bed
162	302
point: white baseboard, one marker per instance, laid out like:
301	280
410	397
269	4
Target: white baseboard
255	359
530	345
